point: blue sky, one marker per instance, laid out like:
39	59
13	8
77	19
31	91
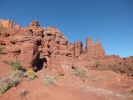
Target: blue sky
109	20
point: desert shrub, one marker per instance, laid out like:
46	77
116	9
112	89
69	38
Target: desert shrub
1	50
79	72
23	93
16	65
49	80
120	68
30	74
18	75
10	81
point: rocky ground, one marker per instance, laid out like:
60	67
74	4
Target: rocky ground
93	85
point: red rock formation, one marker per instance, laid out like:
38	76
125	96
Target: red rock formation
78	48
95	50
89	45
29	54
33	43
34	24
35	28
99	51
8	24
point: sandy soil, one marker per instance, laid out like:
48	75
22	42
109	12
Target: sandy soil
99	85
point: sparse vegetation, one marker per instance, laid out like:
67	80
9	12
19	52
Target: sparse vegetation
10	81
1	50
30	74
23	93
16	65
49	80
79	72
118	68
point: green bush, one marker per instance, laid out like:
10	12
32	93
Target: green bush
30	74
49	80
79	72
16	65
10	81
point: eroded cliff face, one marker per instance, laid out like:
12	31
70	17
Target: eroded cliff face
37	47
8	24
94	50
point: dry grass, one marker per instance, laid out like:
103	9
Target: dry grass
16	65
79	72
10	81
49	80
30	74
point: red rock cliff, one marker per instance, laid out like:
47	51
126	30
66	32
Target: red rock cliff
8	24
95	50
34	43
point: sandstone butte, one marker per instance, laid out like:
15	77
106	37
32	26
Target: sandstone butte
39	47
